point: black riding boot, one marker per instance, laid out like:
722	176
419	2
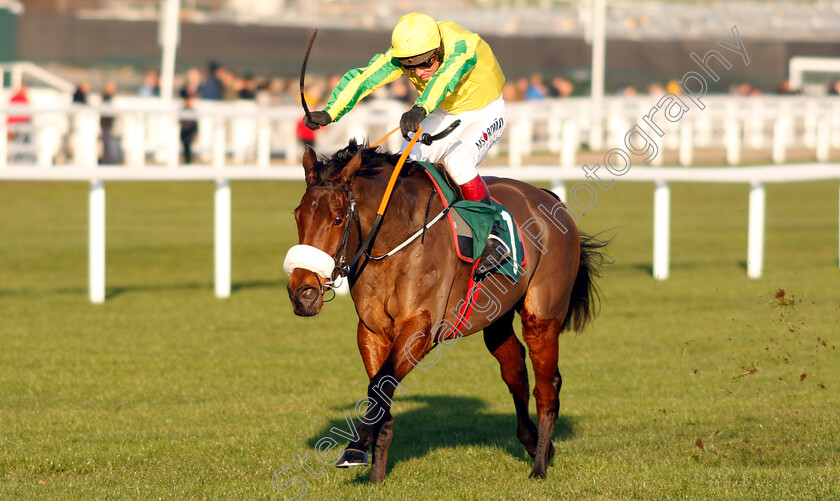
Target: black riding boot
495	252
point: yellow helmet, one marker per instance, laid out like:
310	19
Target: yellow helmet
415	34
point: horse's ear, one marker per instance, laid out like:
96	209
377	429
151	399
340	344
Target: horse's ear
348	173
309	162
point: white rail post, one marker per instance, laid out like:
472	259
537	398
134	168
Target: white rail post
659	159
571	143
515	150
755	242
96	241
293	150
599	50
85	143
687	143
134	139
263	143
554	129
526	134
661	230
823	138
733	141
780	137
221	238
173	141
219	145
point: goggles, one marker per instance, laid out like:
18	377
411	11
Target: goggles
424	65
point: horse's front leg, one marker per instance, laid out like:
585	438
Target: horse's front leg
413	341
374	349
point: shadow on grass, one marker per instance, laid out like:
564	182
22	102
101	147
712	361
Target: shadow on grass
446	422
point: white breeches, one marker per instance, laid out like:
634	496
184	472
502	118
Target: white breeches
467	145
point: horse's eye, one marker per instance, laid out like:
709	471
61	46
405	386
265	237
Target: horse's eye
337	221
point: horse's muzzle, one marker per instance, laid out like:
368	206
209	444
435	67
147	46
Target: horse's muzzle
306	300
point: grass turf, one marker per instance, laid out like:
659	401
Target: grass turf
702	386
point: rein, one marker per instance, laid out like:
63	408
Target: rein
343	267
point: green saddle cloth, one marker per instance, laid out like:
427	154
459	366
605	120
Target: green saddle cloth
481	218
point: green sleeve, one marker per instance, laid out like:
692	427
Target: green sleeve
359	82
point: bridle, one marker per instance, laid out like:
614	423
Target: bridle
342	268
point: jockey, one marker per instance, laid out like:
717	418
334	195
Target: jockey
458	78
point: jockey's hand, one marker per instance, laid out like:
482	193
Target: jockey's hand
316	119
411	119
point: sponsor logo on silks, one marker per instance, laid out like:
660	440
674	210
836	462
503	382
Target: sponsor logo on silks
489	131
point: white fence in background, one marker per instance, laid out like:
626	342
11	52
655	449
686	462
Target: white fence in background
757	177
240	142
242	133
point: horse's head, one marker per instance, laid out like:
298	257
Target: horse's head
324	219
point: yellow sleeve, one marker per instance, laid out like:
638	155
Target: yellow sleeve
457	64
358	83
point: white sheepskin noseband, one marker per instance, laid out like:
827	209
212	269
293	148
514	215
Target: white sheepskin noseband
309	258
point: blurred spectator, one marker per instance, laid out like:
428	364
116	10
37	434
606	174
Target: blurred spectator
151	85
192	87
264	96
248	88
656	89
110	143
746	89
560	87
834	88
509	92
231	85
627	91
536	89
521	86
80	95
673	87
212	88
783	87
189	129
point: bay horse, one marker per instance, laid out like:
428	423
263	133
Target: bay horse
406	301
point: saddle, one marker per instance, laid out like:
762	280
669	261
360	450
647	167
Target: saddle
472	224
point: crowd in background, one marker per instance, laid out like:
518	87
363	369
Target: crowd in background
219	83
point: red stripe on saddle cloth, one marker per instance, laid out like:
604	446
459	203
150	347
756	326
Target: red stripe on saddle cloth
473	290
449	217
455	231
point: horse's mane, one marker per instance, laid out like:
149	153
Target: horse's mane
374	162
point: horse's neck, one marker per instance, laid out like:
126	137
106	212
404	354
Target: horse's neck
406	205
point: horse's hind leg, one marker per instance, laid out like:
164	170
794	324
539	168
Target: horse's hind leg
502	343
541	336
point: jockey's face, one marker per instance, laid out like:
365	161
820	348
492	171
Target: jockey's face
425	74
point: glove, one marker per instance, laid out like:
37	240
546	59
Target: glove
316	119
411	119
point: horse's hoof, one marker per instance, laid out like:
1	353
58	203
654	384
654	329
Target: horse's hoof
538	475
352	457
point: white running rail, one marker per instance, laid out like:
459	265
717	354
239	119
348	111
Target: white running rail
757	177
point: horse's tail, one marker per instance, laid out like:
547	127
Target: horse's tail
586	298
